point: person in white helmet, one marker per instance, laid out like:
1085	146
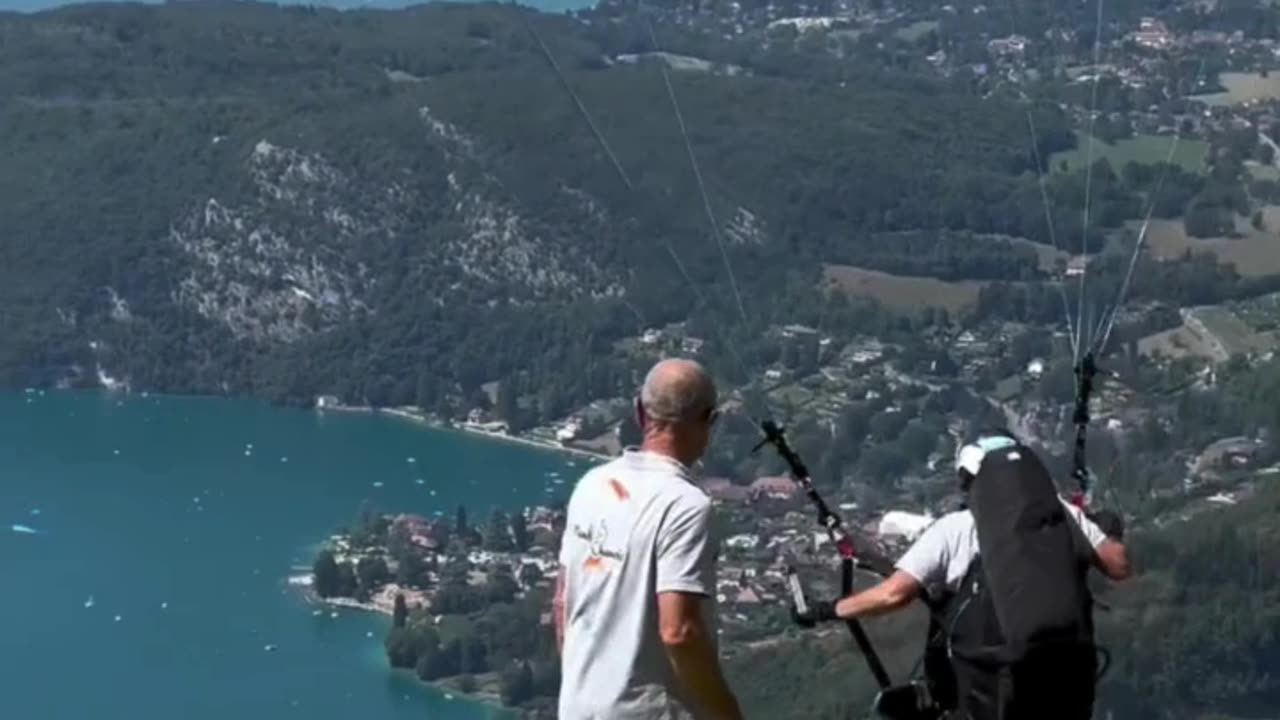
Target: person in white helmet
943	568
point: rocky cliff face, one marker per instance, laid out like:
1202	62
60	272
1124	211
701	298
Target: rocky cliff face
276	267
286	260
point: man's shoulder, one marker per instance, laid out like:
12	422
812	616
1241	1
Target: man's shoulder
625	479
685	495
956	518
951	524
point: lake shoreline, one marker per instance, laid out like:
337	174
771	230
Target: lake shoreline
466	429
449	687
403	413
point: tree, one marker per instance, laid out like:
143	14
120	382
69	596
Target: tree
400	614
887	425
498	535
917	441
529	575
501	586
369	528
520	531
399	645
471	659
456	571
507	407
347	585
372	572
412	571
326	580
1204	220
400	541
516	684
546	675
460	527
432	663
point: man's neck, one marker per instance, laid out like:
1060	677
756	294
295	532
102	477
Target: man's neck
662	445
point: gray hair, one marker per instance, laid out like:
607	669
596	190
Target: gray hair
678	390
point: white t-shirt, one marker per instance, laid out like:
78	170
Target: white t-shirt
941	556
636	527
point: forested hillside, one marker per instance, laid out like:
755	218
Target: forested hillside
397	207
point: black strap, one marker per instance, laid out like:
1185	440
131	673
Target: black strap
1085	371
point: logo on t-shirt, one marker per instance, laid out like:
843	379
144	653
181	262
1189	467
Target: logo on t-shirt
599	555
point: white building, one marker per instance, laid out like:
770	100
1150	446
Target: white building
904	525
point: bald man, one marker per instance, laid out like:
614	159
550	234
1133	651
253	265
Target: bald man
634	602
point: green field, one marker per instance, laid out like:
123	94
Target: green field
1140	148
1262	172
1235	335
901	292
1253	252
1261	314
916	30
1243	87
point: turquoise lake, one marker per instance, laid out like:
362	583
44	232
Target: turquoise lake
182	519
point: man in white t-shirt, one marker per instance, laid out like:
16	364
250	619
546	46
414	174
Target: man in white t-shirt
936	564
634	607
942	554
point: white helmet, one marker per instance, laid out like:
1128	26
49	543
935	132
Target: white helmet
969	457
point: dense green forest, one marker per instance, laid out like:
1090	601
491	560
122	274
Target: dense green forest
397	207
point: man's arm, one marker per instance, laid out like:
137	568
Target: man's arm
685	579
692	654
557	609
924	564
892	593
1106	537
1112	559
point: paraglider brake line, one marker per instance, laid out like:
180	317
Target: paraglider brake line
775	436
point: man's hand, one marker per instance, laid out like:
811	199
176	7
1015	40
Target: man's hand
1110	523
817	612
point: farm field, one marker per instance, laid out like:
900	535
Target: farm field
900	291
1254	253
1243	87
1190	153
916	30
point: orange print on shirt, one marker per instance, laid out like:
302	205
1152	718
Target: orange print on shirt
593	564
619	490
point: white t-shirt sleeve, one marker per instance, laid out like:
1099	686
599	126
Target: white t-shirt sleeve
928	557
685	552
1091	531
